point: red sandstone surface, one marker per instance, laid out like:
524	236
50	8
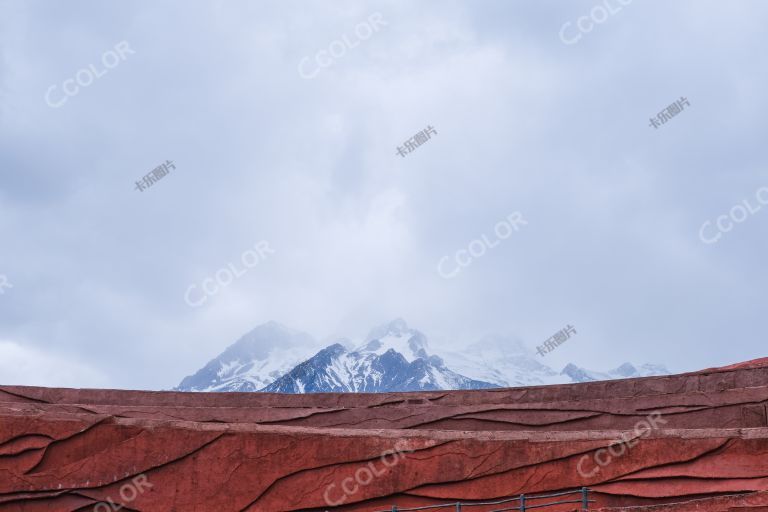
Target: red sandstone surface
691	442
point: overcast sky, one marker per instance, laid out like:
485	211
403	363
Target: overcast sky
532	114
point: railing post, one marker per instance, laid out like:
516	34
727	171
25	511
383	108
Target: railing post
394	508
584	499
458	506
522	502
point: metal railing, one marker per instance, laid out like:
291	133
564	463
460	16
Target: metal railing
522	501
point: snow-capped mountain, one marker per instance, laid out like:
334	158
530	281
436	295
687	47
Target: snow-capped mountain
625	371
507	362
396	335
254	361
503	361
393	358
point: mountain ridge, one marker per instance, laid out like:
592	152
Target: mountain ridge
392	357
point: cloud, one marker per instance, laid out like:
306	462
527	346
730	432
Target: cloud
524	123
22	365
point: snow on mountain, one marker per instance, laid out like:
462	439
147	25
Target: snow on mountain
625	371
507	362
577	374
336	369
393	357
254	361
397	336
504	361
651	369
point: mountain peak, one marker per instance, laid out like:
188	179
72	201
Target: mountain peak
256	359
500	346
374	368
397	336
625	370
396	327
394	357
649	369
577	374
259	341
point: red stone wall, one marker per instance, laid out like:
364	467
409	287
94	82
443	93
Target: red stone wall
76	450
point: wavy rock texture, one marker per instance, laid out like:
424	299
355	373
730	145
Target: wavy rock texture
100	450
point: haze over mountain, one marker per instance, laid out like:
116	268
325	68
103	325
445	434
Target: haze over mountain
254	361
393	357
